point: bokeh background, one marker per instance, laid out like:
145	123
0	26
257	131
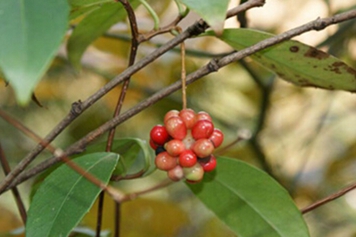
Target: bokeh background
306	136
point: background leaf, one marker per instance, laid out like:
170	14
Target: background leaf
295	62
30	34
65	196
92	26
212	11
249	201
80	7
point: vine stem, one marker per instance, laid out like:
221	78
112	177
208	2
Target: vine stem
212	66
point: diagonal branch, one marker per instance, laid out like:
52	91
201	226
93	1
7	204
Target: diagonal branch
212	66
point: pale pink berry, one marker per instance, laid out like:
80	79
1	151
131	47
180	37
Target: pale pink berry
176	128
174	147
170	114
202	115
176	173
164	161
188	117
203	147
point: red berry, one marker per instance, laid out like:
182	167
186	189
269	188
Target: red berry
203	116
202	129
203	148
194	173
164	161
209	165
188	117
153	145
216	137
176	128
187	158
159	135
176	173
170	114
174	147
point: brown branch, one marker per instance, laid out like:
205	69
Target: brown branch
212	66
328	198
79	107
121	98
19	203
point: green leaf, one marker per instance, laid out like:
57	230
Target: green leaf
135	155
65	196
80	7
249	201
86	3
30	34
92	26
295	62
212	11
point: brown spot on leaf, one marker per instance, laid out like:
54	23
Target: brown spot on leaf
338	68
315	53
294	49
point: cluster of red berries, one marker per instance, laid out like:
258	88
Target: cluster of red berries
184	145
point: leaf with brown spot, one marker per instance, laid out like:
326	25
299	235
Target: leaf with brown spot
294	61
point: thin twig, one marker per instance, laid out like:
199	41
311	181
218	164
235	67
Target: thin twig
328	198
134	195
79	107
121	98
20	205
165	29
212	66
242	135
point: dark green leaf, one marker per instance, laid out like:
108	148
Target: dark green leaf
93	26
65	196
30	34
295	62
212	11
249	201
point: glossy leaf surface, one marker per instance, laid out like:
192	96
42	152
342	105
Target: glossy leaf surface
249	201
65	196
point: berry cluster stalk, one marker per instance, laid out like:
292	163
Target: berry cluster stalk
183	75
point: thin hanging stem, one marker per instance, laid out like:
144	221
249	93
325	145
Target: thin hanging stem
121	98
6	167
183	72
